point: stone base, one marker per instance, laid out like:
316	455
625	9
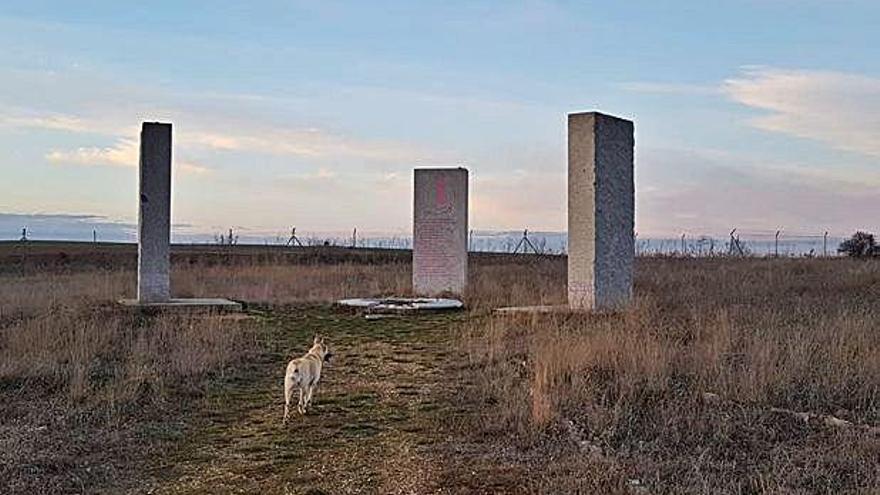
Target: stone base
402	304
195	303
554	309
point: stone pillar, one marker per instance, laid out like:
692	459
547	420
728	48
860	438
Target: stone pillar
154	215
440	227
601	204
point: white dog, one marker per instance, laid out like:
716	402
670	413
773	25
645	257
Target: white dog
304	373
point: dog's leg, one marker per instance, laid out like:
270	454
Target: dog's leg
288	389
309	391
312	393
301	407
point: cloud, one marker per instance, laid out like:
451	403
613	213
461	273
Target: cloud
309	142
306	143
709	192
125	153
835	108
58	122
286	157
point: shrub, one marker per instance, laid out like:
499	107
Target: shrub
860	245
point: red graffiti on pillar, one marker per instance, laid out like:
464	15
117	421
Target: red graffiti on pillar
440	197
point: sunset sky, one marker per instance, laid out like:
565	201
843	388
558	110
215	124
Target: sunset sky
759	114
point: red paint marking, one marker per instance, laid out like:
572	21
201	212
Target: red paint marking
441	192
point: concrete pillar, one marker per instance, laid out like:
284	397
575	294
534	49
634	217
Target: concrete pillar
601	205
154	215
440	227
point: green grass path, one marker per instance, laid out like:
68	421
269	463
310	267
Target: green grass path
375	421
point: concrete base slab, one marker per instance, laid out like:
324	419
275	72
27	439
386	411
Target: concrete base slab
194	303
402	304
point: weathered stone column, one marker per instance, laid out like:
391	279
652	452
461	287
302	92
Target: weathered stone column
440	227
154	215
601	205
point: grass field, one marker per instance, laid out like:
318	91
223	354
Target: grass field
725	376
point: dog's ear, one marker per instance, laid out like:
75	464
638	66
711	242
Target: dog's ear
318	339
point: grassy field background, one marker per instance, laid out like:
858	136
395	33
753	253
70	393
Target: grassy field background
725	376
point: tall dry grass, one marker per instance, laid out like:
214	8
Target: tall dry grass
60	328
516	280
493	282
288	284
88	392
29	295
682	390
695	386
108	358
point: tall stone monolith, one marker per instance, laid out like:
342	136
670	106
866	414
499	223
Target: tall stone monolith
440	227
601	205
154	214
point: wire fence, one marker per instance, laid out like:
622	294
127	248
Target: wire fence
760	243
738	242
743	243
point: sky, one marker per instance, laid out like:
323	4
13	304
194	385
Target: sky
758	115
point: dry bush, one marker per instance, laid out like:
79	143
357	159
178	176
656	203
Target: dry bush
758	334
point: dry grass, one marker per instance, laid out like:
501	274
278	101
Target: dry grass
288	284
29	295
90	393
57	328
258	283
115	357
73	363
753	334
554	403
513	281
81	378
494	282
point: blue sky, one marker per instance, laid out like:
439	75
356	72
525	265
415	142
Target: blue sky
751	114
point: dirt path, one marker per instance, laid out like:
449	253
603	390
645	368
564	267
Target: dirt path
375	423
